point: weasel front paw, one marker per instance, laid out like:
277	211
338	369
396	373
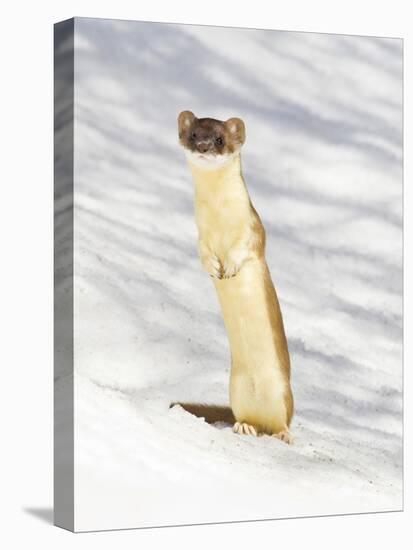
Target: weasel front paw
229	271
213	266
244	428
233	262
230	268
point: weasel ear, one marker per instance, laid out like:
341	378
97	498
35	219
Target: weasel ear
236	128
185	119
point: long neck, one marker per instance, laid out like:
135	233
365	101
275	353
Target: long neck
225	181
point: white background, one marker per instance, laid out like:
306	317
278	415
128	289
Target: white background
26	271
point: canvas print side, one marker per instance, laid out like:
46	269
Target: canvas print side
63	274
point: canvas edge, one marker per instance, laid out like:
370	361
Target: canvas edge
63	49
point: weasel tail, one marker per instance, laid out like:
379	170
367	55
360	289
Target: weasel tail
232	250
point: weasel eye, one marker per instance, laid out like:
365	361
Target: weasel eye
193	135
219	141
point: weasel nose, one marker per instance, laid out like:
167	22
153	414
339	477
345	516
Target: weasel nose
203	147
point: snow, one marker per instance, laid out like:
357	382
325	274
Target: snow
323	164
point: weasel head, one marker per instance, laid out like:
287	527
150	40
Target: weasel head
210	143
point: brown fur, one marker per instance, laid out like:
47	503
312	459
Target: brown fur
280	340
208	135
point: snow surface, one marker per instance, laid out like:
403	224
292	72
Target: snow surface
323	164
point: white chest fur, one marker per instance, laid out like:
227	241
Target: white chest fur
222	207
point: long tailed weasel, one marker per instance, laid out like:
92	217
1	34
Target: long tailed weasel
232	251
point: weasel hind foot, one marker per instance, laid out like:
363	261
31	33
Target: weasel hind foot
285	436
244	428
